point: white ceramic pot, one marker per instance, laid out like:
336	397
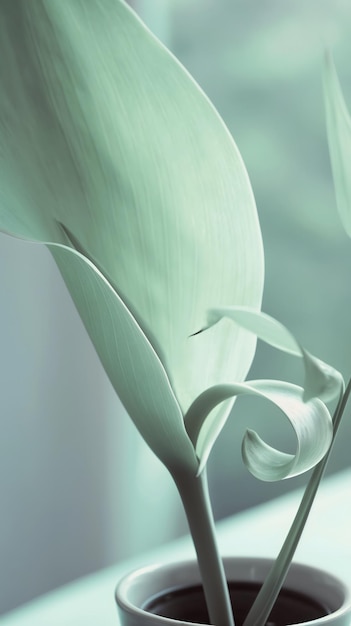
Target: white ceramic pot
310	596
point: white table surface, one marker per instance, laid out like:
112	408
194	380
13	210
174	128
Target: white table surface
326	543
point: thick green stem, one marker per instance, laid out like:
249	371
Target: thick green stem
194	494
269	591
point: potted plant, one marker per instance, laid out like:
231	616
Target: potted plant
115	160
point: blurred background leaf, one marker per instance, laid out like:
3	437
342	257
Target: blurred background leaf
339	140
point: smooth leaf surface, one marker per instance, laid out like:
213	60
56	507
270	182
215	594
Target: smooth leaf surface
103	131
339	139
129	359
321	380
311	422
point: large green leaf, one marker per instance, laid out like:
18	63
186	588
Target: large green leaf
339	138
311	421
103	131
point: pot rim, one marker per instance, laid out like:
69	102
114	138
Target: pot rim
138	586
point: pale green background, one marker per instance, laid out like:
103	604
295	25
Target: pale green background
72	499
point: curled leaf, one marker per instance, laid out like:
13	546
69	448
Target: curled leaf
321	380
339	140
310	420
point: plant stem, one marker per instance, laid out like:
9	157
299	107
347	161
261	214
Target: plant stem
269	591
194	494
